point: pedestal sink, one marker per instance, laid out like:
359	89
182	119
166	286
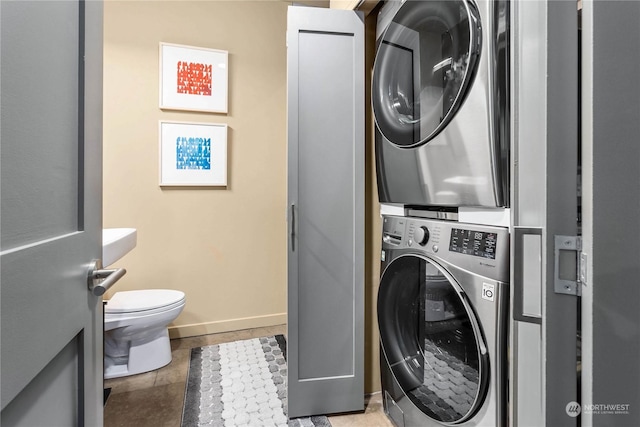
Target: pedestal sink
116	243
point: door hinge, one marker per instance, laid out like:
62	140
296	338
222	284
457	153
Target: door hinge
570	269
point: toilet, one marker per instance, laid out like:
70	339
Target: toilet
136	338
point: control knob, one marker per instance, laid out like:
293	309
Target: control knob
421	235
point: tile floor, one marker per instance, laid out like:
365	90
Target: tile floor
155	399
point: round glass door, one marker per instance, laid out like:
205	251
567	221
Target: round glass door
431	340
424	64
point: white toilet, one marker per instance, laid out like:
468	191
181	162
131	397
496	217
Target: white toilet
136	335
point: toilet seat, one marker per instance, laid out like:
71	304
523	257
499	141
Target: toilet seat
143	302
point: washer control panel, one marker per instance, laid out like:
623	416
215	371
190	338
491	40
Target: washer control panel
473	242
470	246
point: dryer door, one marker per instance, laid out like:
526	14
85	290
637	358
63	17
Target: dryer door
432	340
424	64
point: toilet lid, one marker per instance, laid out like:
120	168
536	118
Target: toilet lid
148	299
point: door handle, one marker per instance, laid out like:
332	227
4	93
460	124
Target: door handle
100	280
293	227
519	276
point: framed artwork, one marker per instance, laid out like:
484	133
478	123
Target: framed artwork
193	78
193	154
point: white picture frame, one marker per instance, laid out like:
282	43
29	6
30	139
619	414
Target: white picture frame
193	78
193	154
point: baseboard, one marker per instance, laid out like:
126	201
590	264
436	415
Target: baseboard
183	331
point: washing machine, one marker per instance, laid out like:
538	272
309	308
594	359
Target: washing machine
442	314
440	95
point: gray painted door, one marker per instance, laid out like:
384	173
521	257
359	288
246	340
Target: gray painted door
51	220
326	211
544	347
611	224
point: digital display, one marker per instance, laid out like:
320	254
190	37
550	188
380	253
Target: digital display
476	243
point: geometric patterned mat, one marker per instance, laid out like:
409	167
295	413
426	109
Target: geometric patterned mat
450	386
241	383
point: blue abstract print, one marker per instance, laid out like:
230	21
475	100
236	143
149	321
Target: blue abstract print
193	153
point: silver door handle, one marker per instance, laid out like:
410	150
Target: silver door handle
100	280
293	227
518	273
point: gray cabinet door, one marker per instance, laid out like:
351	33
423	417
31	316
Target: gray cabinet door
544	349
611	208
326	104
51	212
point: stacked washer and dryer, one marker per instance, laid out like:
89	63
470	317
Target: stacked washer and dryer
440	97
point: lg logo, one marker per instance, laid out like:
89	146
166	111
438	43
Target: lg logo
573	409
488	291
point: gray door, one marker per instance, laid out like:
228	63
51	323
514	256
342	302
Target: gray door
51	220
326	103
544	332
611	153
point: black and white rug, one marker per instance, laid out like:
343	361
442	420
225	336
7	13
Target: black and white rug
242	383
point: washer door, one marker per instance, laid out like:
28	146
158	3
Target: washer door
424	64
432	339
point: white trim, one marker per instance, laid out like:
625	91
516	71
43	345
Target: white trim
229	325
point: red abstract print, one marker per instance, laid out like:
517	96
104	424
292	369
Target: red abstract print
194	78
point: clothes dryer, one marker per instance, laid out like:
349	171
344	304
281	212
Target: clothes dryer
440	96
442	314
